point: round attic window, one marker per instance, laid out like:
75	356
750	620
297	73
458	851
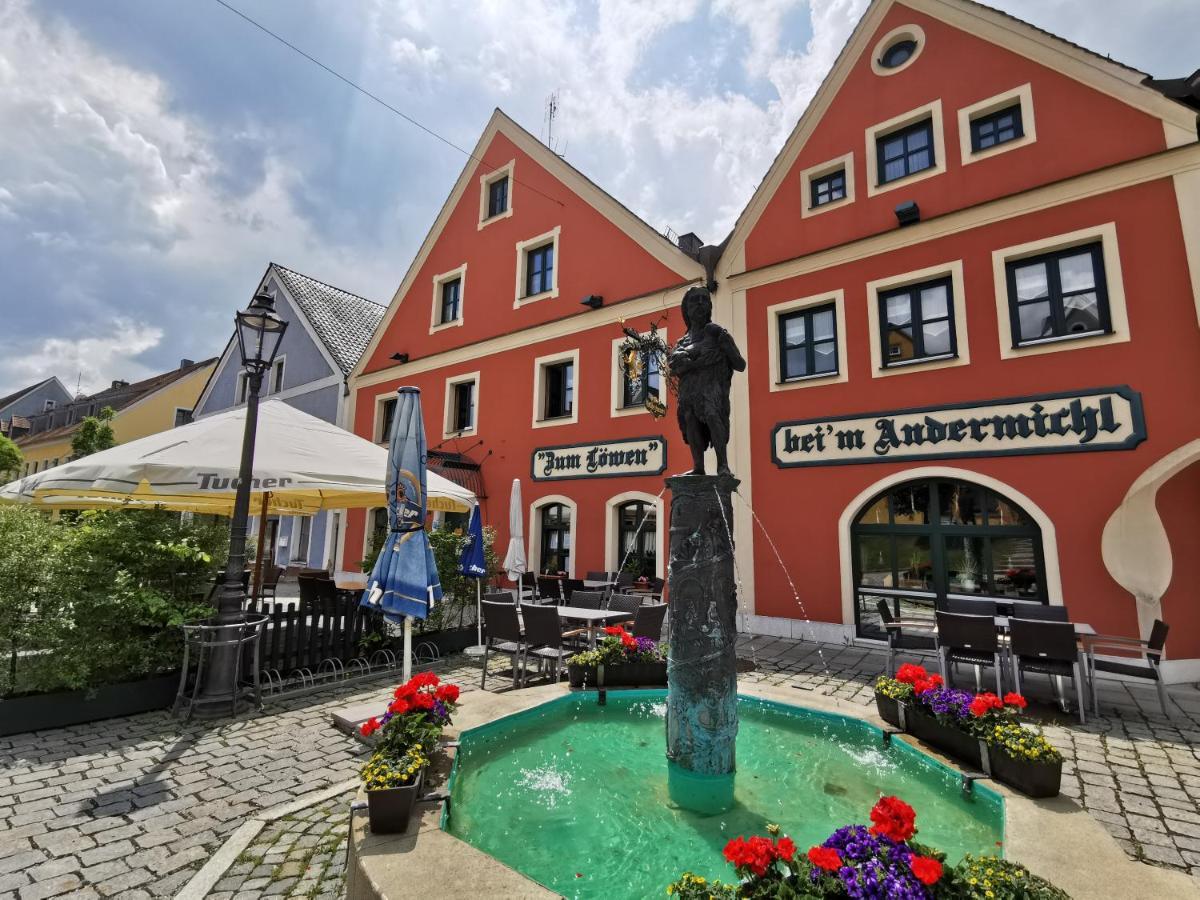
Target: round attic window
897	50
898	54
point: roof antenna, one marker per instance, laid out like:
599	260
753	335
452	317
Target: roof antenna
551	113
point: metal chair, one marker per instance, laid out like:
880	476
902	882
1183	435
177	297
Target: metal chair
1042	613
648	621
598	576
969	606
500	597
629	603
624	579
1050	648
588	599
898	640
527	587
1146	666
543	638
549	590
270	581
570	587
502	630
972	640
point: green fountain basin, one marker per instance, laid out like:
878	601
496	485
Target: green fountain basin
574	795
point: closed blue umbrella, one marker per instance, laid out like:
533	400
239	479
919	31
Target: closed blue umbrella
472	564
404	582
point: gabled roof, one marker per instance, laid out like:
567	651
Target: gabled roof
17	395
654	243
344	322
1129	85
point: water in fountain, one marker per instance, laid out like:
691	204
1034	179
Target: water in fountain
737	580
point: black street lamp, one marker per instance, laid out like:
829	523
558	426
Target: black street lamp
259	333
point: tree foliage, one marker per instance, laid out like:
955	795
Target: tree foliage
95	433
10	458
458	590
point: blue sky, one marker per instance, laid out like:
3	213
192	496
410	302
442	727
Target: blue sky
154	156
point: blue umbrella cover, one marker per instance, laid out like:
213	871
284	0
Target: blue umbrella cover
472	563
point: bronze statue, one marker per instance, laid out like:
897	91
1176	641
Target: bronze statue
704	361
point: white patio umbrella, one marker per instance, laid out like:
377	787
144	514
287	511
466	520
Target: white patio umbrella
515	563
301	463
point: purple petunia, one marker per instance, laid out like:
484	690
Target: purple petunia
876	867
947	702
645	644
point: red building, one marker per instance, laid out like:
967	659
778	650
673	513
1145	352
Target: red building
968	290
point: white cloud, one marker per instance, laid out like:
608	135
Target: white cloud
91	360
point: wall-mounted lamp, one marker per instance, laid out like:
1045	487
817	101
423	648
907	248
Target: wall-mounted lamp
592	301
908	213
400	357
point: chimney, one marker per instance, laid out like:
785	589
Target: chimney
690	244
119	384
184	363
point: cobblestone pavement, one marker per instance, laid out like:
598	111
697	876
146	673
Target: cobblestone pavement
133	807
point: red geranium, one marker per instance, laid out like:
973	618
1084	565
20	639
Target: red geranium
927	869
424	679
369	727
398	707
911	674
755	854
985	703
1014	699
422	700
447	693
927	684
785	848
614	629
825	858
894	819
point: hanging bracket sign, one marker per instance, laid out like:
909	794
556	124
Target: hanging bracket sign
605	459
1071	422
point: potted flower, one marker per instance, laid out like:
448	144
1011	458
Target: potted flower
392	784
620	659
892	693
420	709
940	717
1018	756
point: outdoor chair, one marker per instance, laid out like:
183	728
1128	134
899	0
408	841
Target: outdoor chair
502	634
588	599
571	586
1050	648
543	638
629	603
969	606
648	621
499	597
624	579
972	640
527	587
898	640
1145	667
599	576
1042	613
270	581
549	590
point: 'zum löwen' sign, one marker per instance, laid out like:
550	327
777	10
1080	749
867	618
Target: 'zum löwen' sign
1072	422
606	459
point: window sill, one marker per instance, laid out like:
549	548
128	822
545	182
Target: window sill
499	217
800	379
442	326
1062	338
810	210
551	421
533	298
466	432
881	187
904	364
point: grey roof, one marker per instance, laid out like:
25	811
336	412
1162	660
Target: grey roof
343	321
17	395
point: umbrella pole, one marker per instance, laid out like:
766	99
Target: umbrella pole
407	648
258	557
478	613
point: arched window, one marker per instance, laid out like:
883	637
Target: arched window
637	538
556	538
920	541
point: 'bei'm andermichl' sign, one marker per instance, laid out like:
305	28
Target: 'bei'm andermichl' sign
1070	422
604	459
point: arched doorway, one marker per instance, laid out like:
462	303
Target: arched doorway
918	542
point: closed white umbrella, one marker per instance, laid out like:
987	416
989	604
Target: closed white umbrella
515	563
302	462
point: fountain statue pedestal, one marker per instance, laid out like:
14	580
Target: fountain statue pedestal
702	664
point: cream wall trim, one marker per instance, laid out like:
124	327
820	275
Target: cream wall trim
535	530
448	408
874	288
280	363
575	183
612	557
616	387
523	248
1044	522
1115	178
931	111
485	183
741	459
1117	314
604	317
968	114
377	421
904	33
1187	198
838	299
539	388
1135	547
845	162
438	280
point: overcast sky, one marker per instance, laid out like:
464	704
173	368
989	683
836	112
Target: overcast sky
155	155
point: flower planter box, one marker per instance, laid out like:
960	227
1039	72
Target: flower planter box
1034	779
389	810
889	709
639	674
925	727
35	712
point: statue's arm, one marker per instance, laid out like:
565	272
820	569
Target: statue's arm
732	354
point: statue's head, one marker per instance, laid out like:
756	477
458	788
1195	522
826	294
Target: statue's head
697	307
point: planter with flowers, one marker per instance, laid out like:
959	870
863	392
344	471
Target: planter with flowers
405	738
878	862
620	660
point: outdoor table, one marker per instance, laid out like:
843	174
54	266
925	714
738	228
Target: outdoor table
350	581
587	582
1082	629
592	617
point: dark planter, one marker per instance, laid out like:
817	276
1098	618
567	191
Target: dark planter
390	809
447	641
924	726
638	674
35	712
1034	779
889	709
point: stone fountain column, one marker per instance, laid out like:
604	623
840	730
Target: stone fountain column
702	718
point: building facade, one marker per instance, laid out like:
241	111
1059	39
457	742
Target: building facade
968	290
327	331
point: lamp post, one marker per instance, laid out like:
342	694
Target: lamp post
259	333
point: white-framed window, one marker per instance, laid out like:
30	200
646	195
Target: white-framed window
998	124
182	417
461	405
634	524
385	414
906	148
1063	292
537	268
556	389
897	50
552	534
496	194
629	398
48	405
808	341
924	314
449	294
828	185
275	382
